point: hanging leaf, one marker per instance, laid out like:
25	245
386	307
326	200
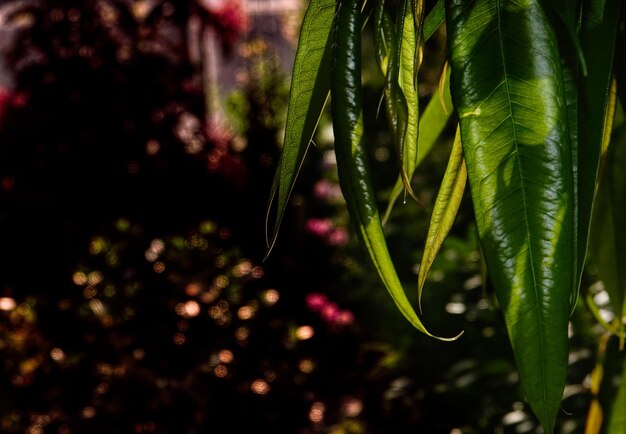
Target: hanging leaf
385	48
599	27
608	239
308	95
446	208
434	19
352	159
408	84
507	88
434	119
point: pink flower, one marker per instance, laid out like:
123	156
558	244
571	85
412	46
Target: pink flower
330	312
327	190
319	227
344	318
338	237
228	16
316	301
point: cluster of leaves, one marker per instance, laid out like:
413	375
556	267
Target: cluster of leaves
535	101
116	316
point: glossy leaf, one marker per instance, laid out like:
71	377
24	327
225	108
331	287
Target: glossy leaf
352	159
385	47
446	208
408	84
569	13
566	24
434	119
599	28
434	19
507	88
308	95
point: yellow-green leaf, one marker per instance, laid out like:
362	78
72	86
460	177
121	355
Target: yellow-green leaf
446	208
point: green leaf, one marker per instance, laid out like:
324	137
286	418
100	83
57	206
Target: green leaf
385	48
352	159
408	84
569	13
434	19
507	88
308	95
599	28
608	239
446	208
434	119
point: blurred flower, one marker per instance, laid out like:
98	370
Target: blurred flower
10	99
319	227
345	317
328	310
228	16
326	190
316	301
338	237
222	157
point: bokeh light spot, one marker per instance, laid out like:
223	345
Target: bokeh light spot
57	354
192	289
260	387
316	414
304	332
179	338
242	333
245	312
88	412
306	366
7	303
225	356
79	278
94	277
352	407
191	308
271	296
220	371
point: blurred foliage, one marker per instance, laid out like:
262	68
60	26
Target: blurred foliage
132	293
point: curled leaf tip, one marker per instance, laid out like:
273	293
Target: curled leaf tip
452	339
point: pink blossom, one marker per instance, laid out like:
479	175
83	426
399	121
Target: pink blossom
316	301
327	190
344	318
338	237
319	227
330	312
228	16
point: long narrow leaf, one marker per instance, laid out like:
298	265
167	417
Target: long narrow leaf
434	119
385	47
507	89
599	28
434	19
352	159
446	208
308	95
608	239
407	82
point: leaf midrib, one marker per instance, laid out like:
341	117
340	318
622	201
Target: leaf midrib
526	217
